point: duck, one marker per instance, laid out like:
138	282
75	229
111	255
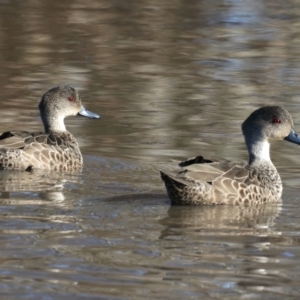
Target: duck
55	148
204	181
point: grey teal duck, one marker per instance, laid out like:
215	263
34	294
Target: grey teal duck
54	149
205	181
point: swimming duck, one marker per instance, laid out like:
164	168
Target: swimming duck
206	181
54	149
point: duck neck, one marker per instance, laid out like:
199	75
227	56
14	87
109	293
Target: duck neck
259	152
57	126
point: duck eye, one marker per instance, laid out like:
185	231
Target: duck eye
71	99
276	120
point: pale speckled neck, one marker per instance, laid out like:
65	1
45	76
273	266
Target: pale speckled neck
259	153
51	125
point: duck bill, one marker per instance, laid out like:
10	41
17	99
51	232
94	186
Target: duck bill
293	137
85	113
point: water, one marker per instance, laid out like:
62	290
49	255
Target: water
171	80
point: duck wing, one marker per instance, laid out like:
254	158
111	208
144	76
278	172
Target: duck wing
207	170
13	140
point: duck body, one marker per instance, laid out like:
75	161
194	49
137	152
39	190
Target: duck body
205	181
25	150
222	182
56	148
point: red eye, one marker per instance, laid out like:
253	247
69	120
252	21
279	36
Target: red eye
71	99
276	121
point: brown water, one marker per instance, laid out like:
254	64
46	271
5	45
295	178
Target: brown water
171	79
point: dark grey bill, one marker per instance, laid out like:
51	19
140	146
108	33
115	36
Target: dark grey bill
85	113
293	137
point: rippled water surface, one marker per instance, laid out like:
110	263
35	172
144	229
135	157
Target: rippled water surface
171	80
